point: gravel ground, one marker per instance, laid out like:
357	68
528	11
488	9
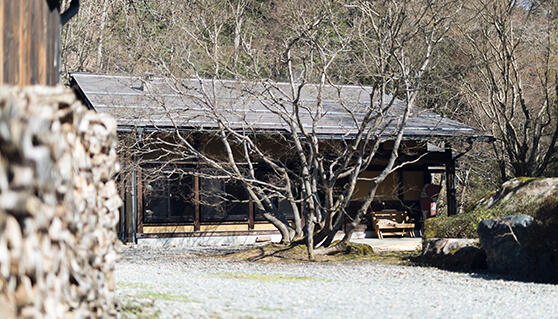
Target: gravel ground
185	283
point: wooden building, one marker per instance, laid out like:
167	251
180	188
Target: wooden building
156	209
30	40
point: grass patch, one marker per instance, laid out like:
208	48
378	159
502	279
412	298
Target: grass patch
276	253
298	253
132	285
272	309
405	258
265	277
139	310
164	296
271	253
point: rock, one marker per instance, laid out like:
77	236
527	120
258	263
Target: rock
263	239
532	188
507	241
444	246
504	241
454	254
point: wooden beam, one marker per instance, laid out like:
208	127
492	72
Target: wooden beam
209	234
2	44
251	215
450	187
33	62
53	34
42	40
197	225
139	199
12	46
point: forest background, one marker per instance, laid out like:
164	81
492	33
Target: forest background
495	68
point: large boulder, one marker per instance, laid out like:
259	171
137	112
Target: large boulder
507	243
505	240
519	190
454	254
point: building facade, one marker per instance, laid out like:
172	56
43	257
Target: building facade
172	196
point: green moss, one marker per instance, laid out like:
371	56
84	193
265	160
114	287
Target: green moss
524	179
358	250
507	188
453	251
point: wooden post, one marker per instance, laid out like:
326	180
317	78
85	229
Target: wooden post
450	185
23	41
2	49
251	215
139	198
197	225
30	42
13	45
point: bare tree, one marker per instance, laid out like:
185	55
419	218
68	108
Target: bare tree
513	86
83	38
389	45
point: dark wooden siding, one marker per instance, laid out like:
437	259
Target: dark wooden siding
29	42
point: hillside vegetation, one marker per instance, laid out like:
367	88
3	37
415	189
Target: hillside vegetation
494	68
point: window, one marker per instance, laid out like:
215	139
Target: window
223	201
169	199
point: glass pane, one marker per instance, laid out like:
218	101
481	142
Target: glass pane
182	203
222	201
286	208
212	197
236	206
155	200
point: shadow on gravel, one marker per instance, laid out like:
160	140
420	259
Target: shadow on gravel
281	253
493	276
479	273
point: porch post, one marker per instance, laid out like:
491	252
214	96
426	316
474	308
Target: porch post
139	198
197	224
250	215
122	231
134	205
450	184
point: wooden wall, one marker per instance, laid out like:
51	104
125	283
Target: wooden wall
29	42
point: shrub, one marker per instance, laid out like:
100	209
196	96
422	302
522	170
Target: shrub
465	225
460	226
514	198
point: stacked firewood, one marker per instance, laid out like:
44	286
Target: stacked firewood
58	206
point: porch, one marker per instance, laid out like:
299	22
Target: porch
387	244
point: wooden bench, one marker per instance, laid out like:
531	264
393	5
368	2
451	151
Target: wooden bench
392	223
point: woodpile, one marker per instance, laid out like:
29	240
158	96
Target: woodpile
58	206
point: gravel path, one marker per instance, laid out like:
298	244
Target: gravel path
182	283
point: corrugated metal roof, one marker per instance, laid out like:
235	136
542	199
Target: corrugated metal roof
261	106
